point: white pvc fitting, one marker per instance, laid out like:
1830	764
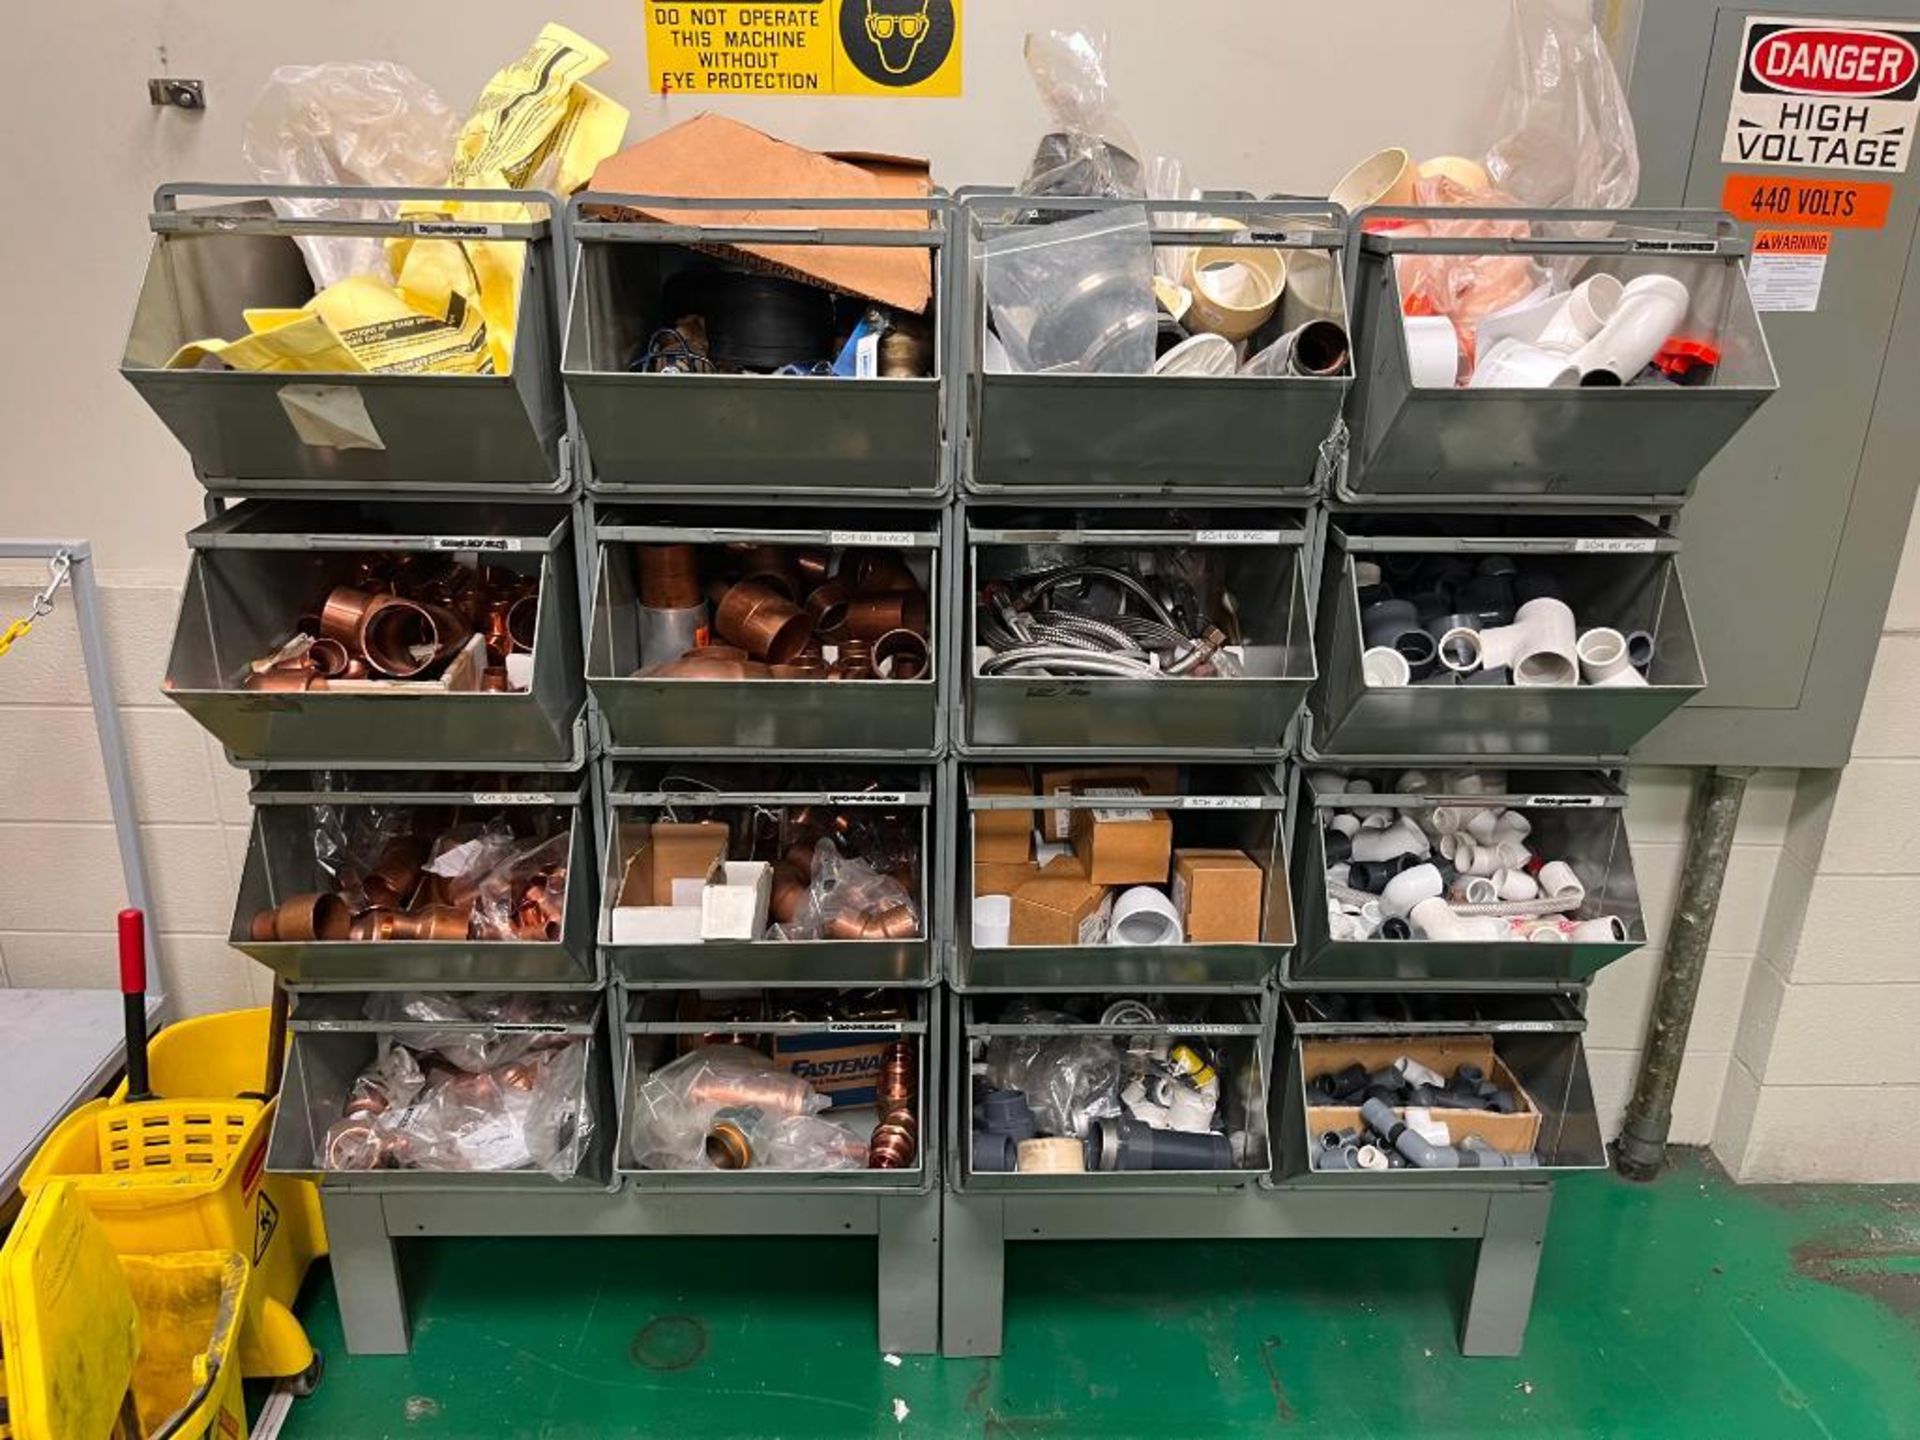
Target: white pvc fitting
1433	920
1482	824
1403	837
1460	650
1625	679
1540	625
1409	888
1414	782
1651	308
1477	890
1513	884
1385	666
1346	823
1455	819
1511	825
1371	915
1582	315
1376	819
1433	351
1477	782
1470	858
992	921
1339	875
1603	930
1545	932
1383	178
1513	364
1342	926
1558	880
1603	653
1144	916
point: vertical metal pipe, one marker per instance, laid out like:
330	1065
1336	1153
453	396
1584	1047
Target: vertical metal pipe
1641	1150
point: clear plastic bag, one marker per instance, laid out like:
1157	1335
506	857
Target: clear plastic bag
1076	295
1069	1080
524	896
1167	180
1563	135
674	1107
347	123
1465	288
1088	149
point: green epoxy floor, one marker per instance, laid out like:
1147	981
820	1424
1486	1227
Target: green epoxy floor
1687	1308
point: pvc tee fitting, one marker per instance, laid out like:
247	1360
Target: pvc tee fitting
1424	1155
1539	647
1403	837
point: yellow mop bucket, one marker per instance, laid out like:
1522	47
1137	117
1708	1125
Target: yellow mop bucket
99	1344
161	1176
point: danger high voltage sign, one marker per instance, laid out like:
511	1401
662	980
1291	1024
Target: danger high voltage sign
1825	95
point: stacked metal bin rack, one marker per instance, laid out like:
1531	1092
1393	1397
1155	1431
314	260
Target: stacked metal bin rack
1590	474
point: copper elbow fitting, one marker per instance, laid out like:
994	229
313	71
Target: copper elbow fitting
396	874
871	616
669	577
827	606
790	886
764	623
328	657
312	916
900	655
343	612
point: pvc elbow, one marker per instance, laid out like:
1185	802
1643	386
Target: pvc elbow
1651	308
1403	837
1558	880
1476	890
1410	1143
1348	825
1434	919
1582	315
1409	888
1511	884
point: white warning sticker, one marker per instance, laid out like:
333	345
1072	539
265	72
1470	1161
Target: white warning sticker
1825	95
1787	267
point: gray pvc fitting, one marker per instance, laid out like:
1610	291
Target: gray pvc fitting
1639	649
1499	675
1384	621
1123	1144
994	1151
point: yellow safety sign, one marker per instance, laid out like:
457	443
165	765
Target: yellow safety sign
804	47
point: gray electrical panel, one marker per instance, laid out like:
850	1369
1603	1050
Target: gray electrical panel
1794	535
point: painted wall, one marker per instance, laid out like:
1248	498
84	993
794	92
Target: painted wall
1257	97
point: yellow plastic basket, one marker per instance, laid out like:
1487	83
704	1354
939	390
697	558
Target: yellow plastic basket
80	1328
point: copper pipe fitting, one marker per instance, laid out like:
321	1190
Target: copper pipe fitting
433	922
715	652
790	886
284	680
327	658
895	922
686	669
405	638
493	679
776	580
827	606
262	926
669	577
728	1147
895	1143
763	622
523	618
897	1075
494	626
855	662
353	1145
748	556
375	925
871	616
801	670
877	572
396	874
343	612
900	655
812	563
312	916
774	1094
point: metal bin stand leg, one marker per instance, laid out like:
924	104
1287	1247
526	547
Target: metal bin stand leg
366	1274
909	1243
1502	1297
973	1274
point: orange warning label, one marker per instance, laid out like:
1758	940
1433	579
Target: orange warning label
1792	242
1842	204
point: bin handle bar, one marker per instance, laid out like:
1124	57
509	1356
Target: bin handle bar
667	232
168	217
1281	536
1725	240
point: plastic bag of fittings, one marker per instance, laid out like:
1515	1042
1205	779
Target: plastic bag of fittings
1087	149
524	896
1167	180
853	901
1077	295
673	1107
460	858
1069	1080
368	851
347	123
1563	135
531	1113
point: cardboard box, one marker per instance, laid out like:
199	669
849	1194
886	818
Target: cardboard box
1515	1133
733	906
1064	781
667	851
844	1069
1124	843
1067	864
656	925
1004	836
1002	877
1218	894
712	157
1062	911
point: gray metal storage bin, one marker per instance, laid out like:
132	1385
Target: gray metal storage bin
1262	567
639	793
716	433
1237	807
1577	816
1240	1025
1164	435
1621	573
258	569
333	1041
652	1035
496	435
702	717
1621	446
1537	1038
282	862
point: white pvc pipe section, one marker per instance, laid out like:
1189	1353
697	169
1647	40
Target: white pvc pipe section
1558	880
1651	308
1409	888
1513	884
1386	667
1144	916
1603	653
1603	930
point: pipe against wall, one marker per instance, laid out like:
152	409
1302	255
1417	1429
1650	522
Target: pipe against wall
1641	1150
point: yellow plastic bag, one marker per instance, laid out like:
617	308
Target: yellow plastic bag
301	343
522	111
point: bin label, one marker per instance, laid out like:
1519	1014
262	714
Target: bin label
513	797
1562	802
869	797
1221	802
863	1027
1787	269
1821	94
459	229
1829	204
1614	545
1236	537
496	543
873	539
804	47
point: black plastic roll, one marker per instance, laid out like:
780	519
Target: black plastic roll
754	321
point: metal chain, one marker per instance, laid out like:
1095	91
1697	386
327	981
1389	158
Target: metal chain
58	569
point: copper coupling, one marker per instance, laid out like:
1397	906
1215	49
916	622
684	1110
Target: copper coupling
762	621
900	655
871	616
430	922
790	887
405	638
396	874
669	576
895	1143
310	916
